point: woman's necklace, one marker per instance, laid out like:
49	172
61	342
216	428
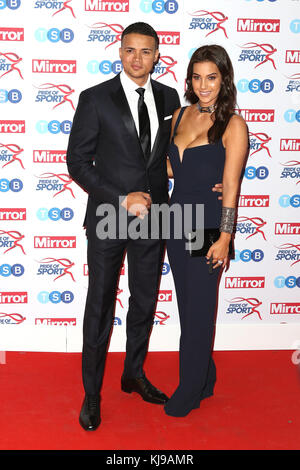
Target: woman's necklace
206	109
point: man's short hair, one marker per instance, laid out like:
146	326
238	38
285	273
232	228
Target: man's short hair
141	28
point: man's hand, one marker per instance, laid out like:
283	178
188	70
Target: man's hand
218	188
137	203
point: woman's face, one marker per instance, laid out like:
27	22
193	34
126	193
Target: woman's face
206	82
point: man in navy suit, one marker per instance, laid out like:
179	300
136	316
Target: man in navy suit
113	158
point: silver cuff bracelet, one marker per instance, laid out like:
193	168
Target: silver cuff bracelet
227	219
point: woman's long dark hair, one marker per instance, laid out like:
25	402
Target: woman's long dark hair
226	101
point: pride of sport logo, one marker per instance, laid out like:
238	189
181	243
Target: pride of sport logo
55	94
288	251
56	183
291	168
55	6
11	240
165	66
105	33
10	153
245	307
258	142
250	227
257	54
11	318
208	21
293	84
56	268
10	64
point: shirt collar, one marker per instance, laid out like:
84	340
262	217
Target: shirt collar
130	86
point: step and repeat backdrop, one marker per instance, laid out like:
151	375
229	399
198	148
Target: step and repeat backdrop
49	52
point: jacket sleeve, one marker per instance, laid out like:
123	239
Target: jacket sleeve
81	151
177	100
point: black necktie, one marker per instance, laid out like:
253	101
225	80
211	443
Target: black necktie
144	124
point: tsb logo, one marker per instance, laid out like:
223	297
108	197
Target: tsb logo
56	297
13	96
290	282
106	67
292	115
55	214
255	85
248	255
165	268
159	6
286	200
15	185
261	172
16	270
54	127
54	35
11	4
295	26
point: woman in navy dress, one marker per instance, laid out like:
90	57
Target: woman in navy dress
209	143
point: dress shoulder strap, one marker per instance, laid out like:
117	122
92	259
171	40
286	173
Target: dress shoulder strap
178	119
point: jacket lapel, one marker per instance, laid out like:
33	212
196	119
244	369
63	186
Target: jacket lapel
159	103
120	100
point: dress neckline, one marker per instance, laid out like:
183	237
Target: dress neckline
174	134
187	148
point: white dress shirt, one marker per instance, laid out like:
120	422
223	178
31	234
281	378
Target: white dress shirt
132	96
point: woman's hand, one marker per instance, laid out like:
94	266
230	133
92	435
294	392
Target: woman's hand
219	251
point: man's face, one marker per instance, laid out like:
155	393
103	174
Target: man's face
138	54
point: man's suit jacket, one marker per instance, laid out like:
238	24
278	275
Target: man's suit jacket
104	154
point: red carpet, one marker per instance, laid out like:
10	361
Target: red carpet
256	405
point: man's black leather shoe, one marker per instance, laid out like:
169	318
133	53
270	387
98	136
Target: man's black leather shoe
89	417
142	386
